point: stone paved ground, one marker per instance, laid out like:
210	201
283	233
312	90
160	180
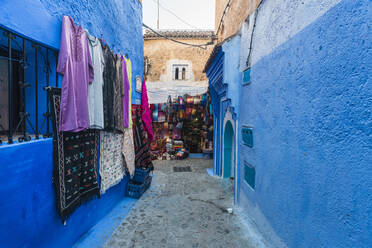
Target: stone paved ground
183	209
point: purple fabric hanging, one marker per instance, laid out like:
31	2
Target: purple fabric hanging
75	64
146	112
126	94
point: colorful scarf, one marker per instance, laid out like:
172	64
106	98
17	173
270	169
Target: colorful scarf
75	162
111	167
146	112
141	144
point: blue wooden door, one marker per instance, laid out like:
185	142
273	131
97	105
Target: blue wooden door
228	150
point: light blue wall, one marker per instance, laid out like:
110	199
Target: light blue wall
231	74
27	199
310	107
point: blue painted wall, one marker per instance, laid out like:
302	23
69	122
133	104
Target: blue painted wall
231	74
310	106
227	96
217	90
29	216
27	200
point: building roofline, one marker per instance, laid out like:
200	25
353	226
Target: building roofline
214	53
180	34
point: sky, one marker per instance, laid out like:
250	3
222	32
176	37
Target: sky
194	13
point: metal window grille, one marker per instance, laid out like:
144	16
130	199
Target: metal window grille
27	69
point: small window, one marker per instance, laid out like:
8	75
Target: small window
247	136
179	71
250	175
17	74
247	76
176	73
26	69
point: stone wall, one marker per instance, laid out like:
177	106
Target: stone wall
163	53
234	17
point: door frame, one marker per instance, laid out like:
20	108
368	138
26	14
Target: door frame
229	117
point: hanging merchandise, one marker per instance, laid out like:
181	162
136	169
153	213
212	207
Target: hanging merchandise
169	107
197	100
118	94
111	169
109	75
128	63
177	131
186	129
180	100
126	99
128	151
95	97
161	117
146	112
75	64
189	100
75	162
163	107
128	145
155	112
141	144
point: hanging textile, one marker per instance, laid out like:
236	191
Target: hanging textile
128	150
146	112
128	64
111	168
141	144
155	112
75	64
127	96
75	162
109	75
95	97
128	145
118	94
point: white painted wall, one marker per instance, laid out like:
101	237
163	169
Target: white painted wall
158	92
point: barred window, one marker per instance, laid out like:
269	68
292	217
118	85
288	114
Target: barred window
27	68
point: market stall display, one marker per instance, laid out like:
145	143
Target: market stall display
182	126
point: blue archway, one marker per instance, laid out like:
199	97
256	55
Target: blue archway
228	147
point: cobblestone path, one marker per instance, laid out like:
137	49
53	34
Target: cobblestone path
183	209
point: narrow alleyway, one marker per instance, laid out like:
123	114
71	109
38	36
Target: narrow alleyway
183	209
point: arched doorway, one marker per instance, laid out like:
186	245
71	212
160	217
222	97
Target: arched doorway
228	151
